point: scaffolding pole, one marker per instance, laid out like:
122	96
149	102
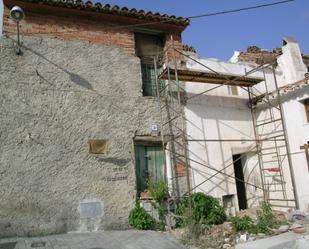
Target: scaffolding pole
286	140
182	125
257	145
173	122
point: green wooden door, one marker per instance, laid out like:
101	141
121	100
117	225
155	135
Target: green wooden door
141	167
149	165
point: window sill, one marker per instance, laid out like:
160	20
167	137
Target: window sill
145	196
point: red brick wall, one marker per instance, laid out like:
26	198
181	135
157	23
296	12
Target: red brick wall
175	42
71	28
259	58
181	169
77	28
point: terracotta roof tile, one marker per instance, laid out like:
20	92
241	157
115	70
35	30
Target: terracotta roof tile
188	48
283	90
114	10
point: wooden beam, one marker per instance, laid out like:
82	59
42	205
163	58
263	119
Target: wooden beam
190	75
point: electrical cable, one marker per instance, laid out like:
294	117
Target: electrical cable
240	9
167	21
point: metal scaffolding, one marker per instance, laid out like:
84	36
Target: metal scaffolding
271	141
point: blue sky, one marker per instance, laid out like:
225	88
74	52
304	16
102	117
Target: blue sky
218	36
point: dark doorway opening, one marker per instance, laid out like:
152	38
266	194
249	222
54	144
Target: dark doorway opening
239	179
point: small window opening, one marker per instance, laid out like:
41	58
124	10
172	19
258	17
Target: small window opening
233	90
147	47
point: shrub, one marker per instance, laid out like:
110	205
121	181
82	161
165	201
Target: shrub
216	216
266	219
140	219
205	209
241	224
158	190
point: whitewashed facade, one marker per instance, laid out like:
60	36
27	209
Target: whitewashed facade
223	114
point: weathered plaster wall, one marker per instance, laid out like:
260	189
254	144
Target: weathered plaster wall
53	99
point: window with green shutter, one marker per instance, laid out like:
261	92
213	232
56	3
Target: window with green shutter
149	81
148	47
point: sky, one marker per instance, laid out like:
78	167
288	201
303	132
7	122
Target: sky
219	36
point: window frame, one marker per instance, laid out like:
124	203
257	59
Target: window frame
146	170
149	87
149	81
233	90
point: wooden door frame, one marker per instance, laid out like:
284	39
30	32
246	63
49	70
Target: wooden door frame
145	141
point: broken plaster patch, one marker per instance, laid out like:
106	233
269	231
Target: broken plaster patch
91	208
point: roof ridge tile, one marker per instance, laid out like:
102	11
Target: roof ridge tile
114	10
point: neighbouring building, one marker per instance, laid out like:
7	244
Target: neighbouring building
79	122
222	129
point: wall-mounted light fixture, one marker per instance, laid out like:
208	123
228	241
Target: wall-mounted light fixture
17	14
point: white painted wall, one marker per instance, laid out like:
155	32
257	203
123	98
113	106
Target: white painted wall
220	115
297	125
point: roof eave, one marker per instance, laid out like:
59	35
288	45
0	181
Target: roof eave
100	13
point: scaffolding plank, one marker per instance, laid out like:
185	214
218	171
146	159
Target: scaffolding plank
273	199
283	206
274	184
192	75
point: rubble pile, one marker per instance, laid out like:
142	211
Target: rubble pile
213	237
223	236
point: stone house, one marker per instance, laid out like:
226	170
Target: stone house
80	122
78	114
